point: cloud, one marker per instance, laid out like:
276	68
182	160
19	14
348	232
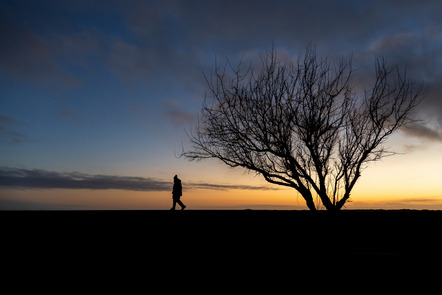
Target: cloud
177	39
65	113
424	132
43	179
177	116
211	186
128	61
396	43
36	178
26	54
230	25
191	34
10	136
168	44
419	51
400	203
8	133
4	119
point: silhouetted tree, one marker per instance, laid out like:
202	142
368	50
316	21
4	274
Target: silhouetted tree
300	123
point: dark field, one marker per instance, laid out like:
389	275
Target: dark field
245	250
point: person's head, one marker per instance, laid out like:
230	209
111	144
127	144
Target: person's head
175	178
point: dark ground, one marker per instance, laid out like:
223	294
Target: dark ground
219	250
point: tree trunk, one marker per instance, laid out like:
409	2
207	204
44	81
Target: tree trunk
307	195
341	203
327	203
311	205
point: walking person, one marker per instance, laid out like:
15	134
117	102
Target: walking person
177	192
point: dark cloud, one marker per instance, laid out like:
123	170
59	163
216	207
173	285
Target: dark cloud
4	119
179	117
211	186
229	26
176	115
184	36
11	136
36	178
179	38
128	61
66	113
43	179
8	132
419	52
424	132
27	54
168	44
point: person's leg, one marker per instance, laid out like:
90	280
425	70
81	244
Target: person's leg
181	204
174	205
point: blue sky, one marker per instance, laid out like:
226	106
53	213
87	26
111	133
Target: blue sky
109	87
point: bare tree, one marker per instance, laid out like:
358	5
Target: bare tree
299	123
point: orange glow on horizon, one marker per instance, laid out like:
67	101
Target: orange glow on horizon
389	184
198	199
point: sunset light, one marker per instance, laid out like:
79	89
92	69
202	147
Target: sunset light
99	101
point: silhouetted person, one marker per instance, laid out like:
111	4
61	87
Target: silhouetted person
177	192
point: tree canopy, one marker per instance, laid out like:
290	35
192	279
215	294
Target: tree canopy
301	123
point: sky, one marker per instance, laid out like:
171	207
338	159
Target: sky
96	98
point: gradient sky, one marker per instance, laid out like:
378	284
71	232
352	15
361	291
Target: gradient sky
96	97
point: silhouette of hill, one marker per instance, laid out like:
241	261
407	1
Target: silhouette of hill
274	249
